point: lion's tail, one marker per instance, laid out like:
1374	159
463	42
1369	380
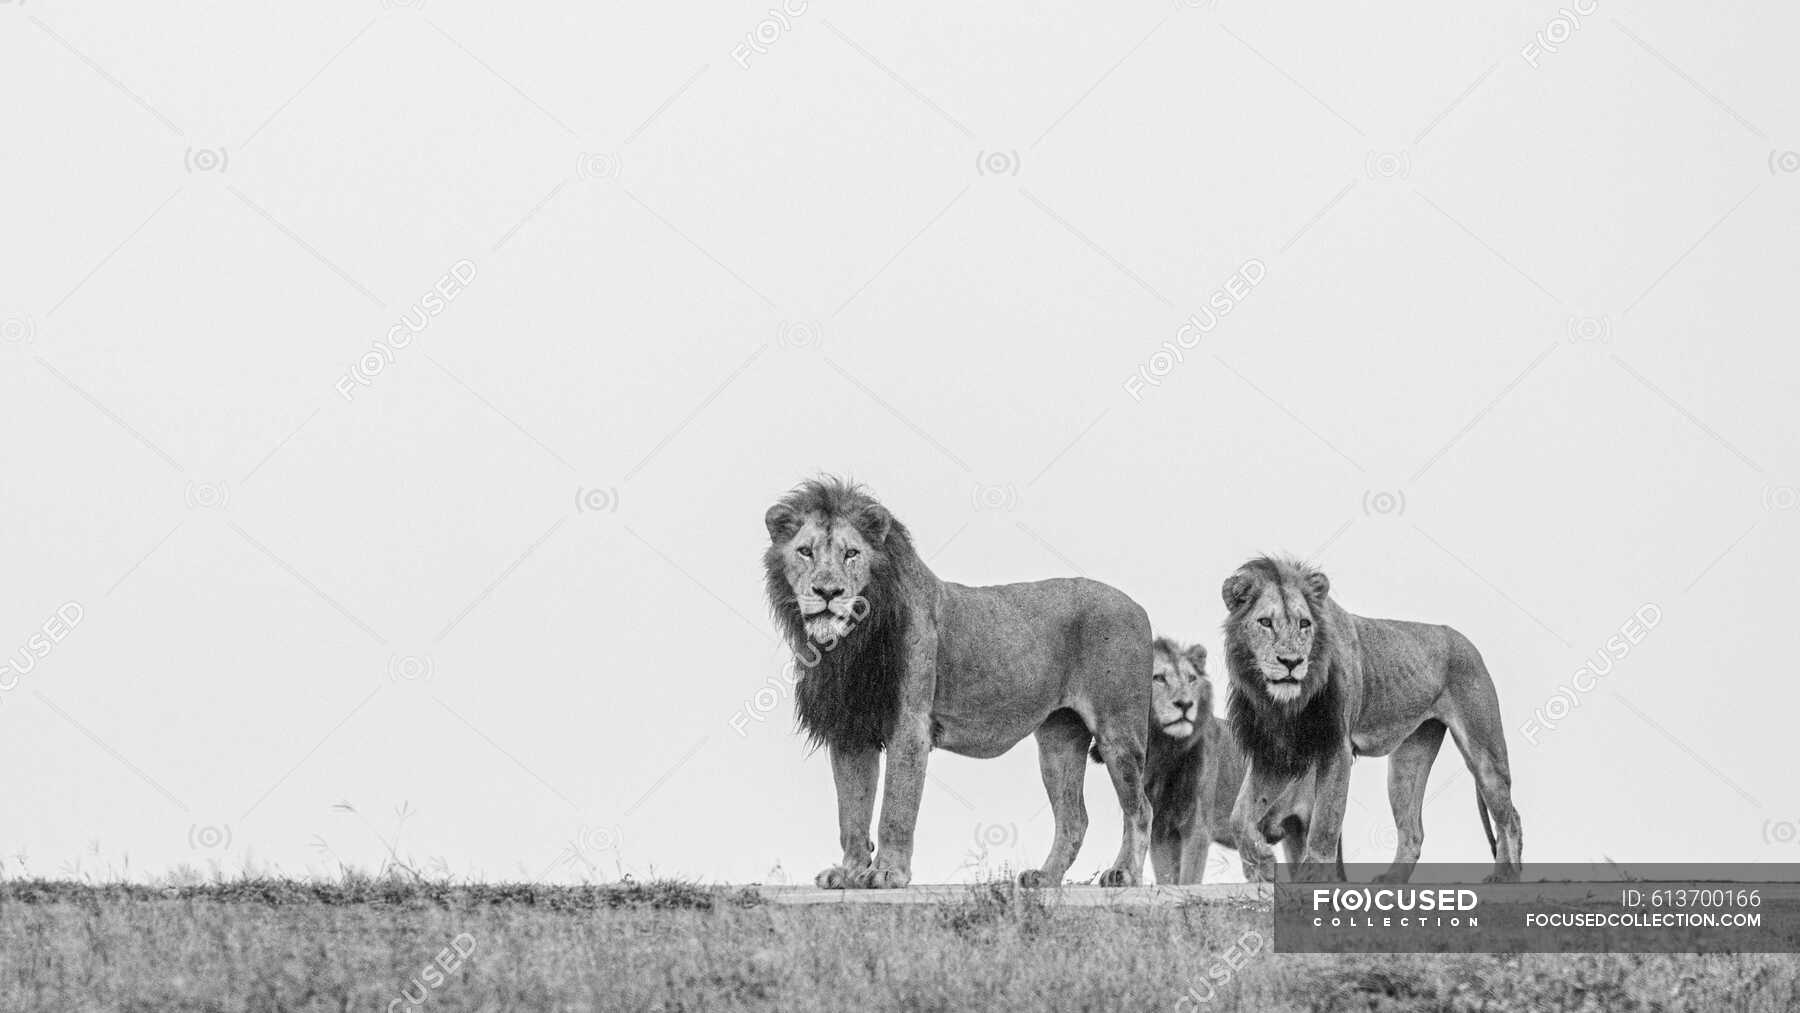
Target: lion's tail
1487	825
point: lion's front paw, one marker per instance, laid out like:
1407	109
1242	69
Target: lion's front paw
880	877
1034	879
1118	877
835	878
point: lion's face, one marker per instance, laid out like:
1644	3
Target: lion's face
1180	696
827	563
1277	629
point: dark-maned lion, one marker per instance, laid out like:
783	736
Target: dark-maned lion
1313	686
892	658
1192	772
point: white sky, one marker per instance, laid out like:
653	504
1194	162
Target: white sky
1520	360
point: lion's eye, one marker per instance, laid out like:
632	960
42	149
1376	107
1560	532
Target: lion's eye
1306	624
805	550
852	553
1266	621
1159	677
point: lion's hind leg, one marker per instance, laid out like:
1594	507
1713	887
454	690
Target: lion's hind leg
1408	769
1475	725
1124	756
1062	755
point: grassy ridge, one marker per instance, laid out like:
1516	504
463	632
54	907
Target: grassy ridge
365	944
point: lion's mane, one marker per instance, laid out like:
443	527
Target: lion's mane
1282	740
847	695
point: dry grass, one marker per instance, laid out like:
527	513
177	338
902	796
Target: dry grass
272	944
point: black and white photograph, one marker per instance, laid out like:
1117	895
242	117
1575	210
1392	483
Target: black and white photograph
1181	505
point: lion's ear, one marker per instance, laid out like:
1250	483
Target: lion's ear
1317	584
874	522
1196	656
1237	588
782	521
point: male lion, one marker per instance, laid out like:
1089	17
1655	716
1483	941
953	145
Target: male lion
1313	686
1192	773
893	658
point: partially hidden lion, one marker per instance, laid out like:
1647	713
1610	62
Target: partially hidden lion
1192	772
1313	687
891	658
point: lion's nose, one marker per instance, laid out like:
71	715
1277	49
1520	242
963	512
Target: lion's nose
1291	663
828	593
1184	705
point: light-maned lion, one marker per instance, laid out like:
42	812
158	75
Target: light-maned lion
1313	686
1192	772
892	658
